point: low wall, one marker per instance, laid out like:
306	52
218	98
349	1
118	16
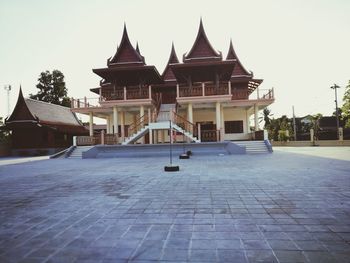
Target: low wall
5	150
145	150
309	143
35	151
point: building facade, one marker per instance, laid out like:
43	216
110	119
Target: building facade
205	97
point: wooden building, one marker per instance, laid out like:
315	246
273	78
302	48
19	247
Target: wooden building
206	97
40	128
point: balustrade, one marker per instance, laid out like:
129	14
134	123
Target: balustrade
238	94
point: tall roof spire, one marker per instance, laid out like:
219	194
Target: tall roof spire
202	49
168	74
239	70
137	48
126	53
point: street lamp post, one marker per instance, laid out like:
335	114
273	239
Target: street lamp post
335	87
8	89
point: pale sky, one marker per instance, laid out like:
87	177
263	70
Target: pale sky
299	47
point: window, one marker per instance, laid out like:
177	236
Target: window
233	126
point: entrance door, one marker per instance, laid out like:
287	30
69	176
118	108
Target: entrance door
208	131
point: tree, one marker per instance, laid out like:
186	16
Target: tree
52	88
266	117
345	109
4	135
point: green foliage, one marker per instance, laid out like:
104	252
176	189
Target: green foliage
52	88
266	117
345	109
5	136
280	124
282	136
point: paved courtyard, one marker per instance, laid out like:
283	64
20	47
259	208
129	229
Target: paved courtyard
289	206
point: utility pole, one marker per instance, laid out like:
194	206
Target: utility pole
8	89
294	125
335	87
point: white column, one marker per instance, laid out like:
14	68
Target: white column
256	119
177	90
162	136
203	89
142	111
149	115
122	123
229	87
150	136
218	116
247	121
115	120
91	124
222	130
108	124
190	112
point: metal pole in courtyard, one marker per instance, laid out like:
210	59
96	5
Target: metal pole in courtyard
294	125
335	87
8	89
171	143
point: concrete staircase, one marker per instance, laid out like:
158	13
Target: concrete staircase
162	123
77	153
254	147
133	138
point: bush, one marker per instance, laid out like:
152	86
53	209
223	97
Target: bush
282	136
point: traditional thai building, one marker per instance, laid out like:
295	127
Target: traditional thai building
204	97
41	128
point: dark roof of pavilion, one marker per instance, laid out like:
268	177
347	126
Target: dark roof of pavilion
126	53
44	114
202	49
239	70
127	66
168	74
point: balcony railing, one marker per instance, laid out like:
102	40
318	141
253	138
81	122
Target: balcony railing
186	91
130	93
84	102
240	94
211	90
204	89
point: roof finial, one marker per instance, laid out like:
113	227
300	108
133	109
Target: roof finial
201	27
137	47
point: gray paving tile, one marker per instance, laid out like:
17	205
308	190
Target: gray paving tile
200	255
215	209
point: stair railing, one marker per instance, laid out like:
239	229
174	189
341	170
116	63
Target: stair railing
138	125
184	124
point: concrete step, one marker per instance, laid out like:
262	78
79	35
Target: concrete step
254	147
78	152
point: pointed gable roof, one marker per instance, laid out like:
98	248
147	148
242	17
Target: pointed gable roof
21	110
239	70
168	74
126	53
202	49
30	110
